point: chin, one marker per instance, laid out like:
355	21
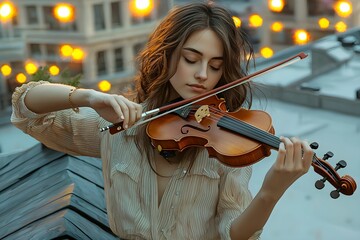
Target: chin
188	95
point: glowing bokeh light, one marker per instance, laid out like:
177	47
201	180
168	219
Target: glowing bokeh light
340	26
301	37
54	70
66	50
5	70
323	23
78	54
21	78
266	52
343	8
31	68
7	11
237	21
141	8
276	5
277	26
64	12
255	20
104	85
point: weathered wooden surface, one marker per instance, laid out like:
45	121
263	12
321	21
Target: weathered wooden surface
46	194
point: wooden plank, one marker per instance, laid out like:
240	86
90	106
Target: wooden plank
42	183
16	168
63	224
45	194
46	205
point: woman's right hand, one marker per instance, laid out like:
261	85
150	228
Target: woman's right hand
115	108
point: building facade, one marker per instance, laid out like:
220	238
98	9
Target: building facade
305	15
105	31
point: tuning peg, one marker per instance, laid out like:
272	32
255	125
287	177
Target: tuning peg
328	155
335	194
340	164
320	184
314	145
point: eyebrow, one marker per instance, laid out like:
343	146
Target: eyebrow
200	53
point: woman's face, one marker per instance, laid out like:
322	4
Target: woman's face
200	66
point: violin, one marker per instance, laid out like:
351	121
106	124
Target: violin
236	139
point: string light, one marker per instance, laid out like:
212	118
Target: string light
64	12
6	70
104	86
7	11
141	8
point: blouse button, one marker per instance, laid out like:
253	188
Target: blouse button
177	193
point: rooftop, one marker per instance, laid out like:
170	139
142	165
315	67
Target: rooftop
316	99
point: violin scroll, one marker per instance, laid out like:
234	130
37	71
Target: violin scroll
345	185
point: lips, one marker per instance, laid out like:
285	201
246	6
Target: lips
197	86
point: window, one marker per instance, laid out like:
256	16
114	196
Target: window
101	63
138	47
99	18
49	18
116	20
164	7
75	68
52	50
31	15
119	60
34	49
320	7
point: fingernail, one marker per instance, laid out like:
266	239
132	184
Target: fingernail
126	126
122	117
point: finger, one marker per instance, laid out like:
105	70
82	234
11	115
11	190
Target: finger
138	111
289	158
132	112
280	160
115	105
124	108
298	152
308	154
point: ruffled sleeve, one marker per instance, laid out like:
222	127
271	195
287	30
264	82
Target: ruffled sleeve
234	199
65	131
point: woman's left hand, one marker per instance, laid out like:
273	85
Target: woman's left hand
294	160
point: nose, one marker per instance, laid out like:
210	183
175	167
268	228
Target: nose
201	74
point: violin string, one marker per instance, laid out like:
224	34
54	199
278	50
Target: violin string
248	129
217	114
271	140
251	130
323	166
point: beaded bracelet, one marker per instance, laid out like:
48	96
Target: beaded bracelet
75	109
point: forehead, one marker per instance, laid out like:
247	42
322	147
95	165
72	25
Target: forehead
205	41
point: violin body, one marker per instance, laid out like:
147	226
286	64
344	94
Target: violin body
175	132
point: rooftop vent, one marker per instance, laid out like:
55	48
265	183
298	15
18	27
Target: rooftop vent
327	55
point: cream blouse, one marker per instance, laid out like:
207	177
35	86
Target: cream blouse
200	204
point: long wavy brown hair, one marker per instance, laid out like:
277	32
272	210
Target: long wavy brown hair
158	60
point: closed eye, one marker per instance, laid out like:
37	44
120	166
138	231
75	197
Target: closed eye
189	61
215	68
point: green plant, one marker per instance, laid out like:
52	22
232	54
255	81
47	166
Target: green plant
65	77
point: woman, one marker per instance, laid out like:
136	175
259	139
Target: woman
150	195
